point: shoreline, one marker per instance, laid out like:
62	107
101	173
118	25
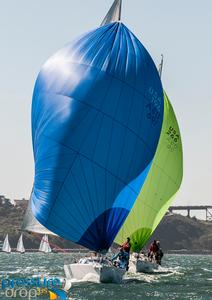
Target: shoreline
189	252
66	251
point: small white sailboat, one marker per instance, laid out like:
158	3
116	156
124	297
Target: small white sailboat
44	245
20	245
6	245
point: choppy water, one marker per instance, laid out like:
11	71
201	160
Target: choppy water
182	277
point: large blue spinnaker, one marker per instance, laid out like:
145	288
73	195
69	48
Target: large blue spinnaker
96	120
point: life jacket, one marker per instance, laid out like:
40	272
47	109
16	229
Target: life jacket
126	247
153	248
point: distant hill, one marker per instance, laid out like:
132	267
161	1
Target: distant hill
10	222
175	232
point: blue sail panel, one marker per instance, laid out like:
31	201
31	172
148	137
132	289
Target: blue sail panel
97	113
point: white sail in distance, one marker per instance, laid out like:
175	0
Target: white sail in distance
20	245
6	245
44	245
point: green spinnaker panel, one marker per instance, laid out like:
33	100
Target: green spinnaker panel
161	185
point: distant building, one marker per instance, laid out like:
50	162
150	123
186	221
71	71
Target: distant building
21	203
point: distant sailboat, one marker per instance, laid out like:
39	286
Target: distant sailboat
6	245
30	224
44	245
20	245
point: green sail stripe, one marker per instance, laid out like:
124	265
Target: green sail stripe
162	183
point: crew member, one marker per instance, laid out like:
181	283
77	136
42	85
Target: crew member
153	250
126	248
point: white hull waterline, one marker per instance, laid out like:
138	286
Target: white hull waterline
145	266
142	265
94	272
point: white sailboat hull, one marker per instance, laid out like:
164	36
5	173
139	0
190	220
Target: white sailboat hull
143	266
94	272
146	266
111	274
82	272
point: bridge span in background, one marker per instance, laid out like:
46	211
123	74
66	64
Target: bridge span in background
206	208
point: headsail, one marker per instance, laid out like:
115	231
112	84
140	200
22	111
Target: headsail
20	245
44	245
96	119
31	224
6	245
114	14
162	183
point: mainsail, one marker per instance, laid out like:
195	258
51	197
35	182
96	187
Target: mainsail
20	245
6	245
97	113
161	185
44	245
31	224
114	14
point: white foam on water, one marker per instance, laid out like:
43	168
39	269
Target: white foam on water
154	276
207	270
165	271
130	276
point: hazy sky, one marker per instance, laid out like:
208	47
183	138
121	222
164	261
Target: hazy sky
32	30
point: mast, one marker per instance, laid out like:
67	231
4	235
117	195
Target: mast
160	68
114	13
